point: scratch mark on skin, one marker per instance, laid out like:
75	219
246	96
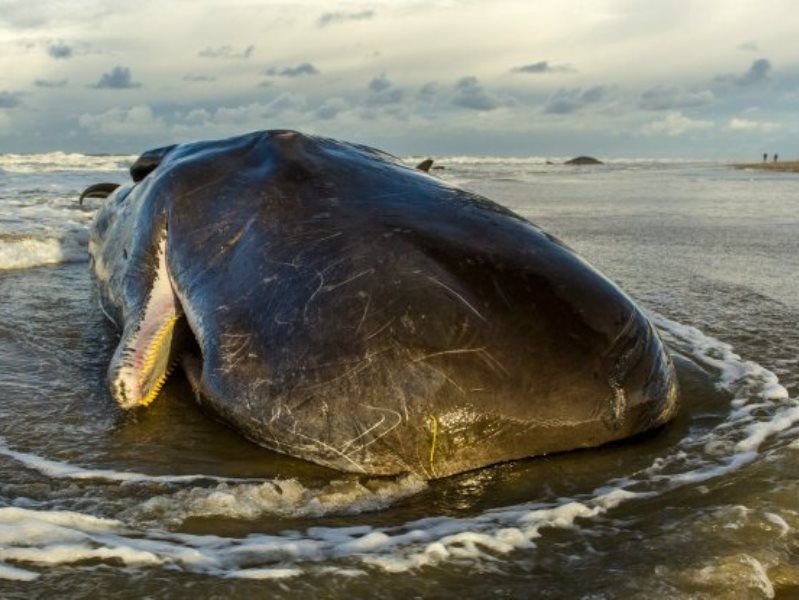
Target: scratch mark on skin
360	366
312	296
458	296
445	376
380	329
234	357
364	433
380	435
309	245
332	449
365	310
331	287
445	352
493	362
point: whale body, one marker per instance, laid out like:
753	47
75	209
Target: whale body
330	303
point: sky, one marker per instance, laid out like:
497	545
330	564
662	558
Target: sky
615	78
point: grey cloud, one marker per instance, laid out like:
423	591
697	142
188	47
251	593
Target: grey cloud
298	71
50	83
382	92
331	108
198	78
390	96
266	83
9	99
379	83
470	94
757	72
567	101
543	66
331	18
428	92
60	50
118	79
672	98
226	52
749	47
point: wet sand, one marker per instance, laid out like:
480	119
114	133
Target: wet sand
789	165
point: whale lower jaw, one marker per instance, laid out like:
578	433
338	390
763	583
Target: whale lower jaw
151	342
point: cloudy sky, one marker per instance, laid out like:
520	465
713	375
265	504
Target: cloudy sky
673	78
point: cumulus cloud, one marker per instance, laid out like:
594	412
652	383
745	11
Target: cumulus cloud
750	125
227	52
142	122
567	101
50	83
675	124
9	99
119	78
470	94
60	50
198	78
382	93
428	92
331	18
227	120
300	70
757	73
672	98
331	108
379	83
543	66
136	121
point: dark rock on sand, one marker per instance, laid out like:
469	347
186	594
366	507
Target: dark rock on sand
584	160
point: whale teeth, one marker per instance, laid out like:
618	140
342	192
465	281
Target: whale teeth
155	345
153	353
159	383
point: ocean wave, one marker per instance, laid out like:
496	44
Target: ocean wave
760	409
23	251
51	162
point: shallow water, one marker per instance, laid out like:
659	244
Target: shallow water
167	502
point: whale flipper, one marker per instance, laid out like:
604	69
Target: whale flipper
425	165
98	190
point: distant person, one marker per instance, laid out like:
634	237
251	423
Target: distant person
776	156
765	156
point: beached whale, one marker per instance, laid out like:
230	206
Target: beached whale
334	305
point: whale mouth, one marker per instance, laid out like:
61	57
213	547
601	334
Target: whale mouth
151	344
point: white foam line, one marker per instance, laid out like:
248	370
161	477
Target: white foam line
63	470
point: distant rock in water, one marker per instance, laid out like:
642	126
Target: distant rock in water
584	160
425	165
439	167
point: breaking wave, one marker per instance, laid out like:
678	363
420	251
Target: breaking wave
51	162
22	251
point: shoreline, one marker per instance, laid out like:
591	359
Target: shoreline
788	165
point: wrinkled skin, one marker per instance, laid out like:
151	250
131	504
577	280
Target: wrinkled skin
332	304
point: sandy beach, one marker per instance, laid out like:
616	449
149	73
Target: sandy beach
789	165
